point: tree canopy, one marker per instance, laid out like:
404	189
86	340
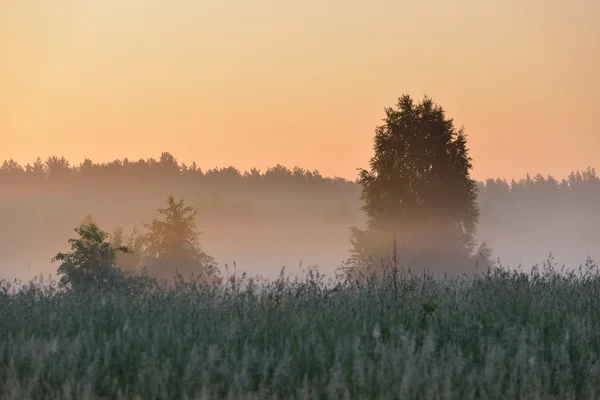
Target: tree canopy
417	191
91	261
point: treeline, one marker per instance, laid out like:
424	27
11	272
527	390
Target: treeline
59	170
581	184
540	198
585	182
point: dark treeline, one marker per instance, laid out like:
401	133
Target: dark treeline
581	184
59	170
539	197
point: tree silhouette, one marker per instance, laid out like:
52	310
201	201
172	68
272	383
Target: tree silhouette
91	261
58	169
11	171
173	244
131	260
37	172
418	191
168	166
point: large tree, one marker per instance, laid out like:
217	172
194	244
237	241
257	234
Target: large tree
417	192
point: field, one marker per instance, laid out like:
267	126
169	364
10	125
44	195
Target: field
501	335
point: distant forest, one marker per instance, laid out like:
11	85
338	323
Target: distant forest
59	170
582	186
500	200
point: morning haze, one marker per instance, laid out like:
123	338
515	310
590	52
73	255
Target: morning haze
256	84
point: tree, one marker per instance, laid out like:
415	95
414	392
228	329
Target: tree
11	172
173	244
91	261
131	260
58	169
168	165
37	172
418	192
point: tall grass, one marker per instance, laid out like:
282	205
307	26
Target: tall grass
500	335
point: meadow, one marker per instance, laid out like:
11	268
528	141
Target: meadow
497	335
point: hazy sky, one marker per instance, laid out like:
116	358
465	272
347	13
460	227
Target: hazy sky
255	83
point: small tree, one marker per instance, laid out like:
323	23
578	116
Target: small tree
91	261
418	192
132	259
173	244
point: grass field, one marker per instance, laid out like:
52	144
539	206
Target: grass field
505	335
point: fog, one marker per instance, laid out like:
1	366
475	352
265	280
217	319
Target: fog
263	227
259	232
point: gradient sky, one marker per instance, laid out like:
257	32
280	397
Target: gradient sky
256	83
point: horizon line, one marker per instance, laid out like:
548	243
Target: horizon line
74	164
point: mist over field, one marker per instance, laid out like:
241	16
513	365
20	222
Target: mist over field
280	227
271	222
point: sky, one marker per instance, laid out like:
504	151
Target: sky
262	82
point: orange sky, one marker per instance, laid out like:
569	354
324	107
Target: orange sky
298	82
